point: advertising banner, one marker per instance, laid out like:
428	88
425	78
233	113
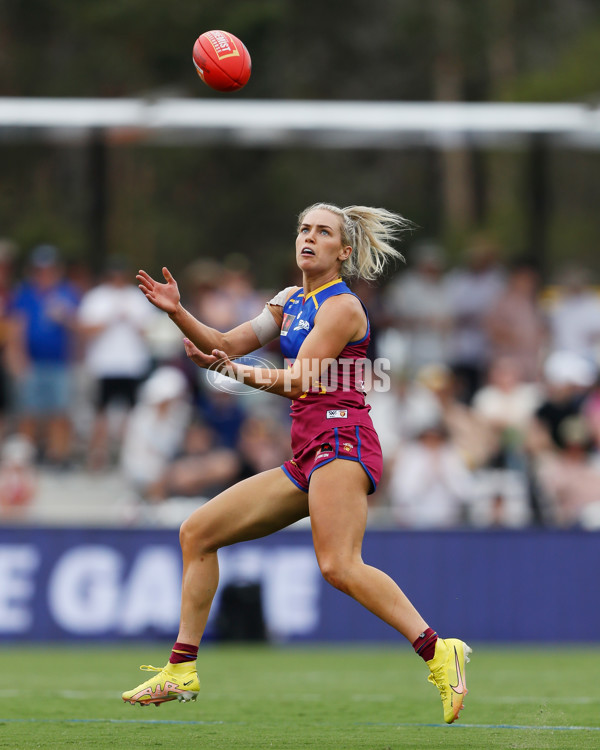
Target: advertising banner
103	584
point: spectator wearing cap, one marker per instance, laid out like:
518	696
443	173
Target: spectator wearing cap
166	453
40	354
472	435
114	319
568	379
155	432
430	484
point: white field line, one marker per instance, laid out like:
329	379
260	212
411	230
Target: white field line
454	727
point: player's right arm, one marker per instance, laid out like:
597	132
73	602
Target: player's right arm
235	343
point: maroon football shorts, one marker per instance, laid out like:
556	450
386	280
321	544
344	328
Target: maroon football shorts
353	443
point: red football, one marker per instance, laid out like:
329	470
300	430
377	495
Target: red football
222	60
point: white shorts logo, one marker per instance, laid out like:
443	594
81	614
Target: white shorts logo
337	414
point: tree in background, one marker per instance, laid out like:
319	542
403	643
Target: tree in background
182	199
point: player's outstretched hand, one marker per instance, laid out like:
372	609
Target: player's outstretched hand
164	296
216	360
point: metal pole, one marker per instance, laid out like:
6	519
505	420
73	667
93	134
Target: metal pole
539	199
98	200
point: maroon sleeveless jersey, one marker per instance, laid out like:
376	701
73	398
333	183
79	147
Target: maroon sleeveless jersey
334	407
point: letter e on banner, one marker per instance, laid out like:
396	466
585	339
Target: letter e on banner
18	563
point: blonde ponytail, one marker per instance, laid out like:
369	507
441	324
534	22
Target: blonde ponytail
369	232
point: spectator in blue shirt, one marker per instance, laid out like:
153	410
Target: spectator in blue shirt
41	347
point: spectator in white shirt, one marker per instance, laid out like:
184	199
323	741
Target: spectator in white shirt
114	318
430	484
419	307
575	316
472	289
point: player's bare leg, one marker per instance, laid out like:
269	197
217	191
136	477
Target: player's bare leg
258	506
338	514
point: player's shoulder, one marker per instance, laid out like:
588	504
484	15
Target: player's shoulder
342	307
345	300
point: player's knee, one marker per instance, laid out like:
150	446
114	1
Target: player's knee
185	533
195	537
335	573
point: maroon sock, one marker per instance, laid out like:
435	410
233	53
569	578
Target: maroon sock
183	652
425	644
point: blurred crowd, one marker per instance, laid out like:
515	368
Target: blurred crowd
488	407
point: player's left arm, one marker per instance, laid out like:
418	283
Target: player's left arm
340	320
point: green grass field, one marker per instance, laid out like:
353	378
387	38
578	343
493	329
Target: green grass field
328	698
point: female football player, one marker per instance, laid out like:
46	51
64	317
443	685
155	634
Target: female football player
324	330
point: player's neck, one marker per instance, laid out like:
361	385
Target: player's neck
310	283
